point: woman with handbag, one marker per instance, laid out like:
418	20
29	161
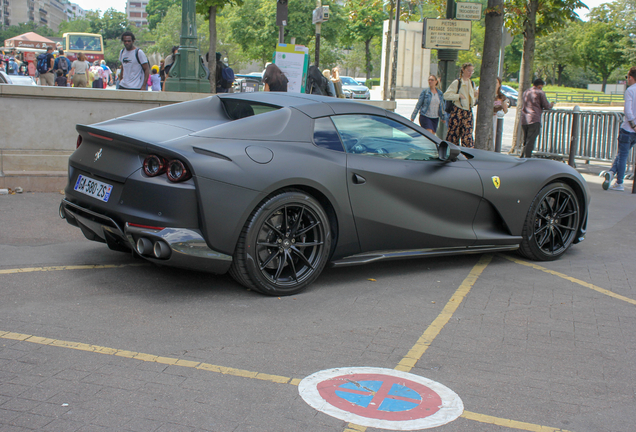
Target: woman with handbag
463	96
430	105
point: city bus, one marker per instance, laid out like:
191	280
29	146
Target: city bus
92	45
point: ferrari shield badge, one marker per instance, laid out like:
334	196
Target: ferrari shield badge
496	181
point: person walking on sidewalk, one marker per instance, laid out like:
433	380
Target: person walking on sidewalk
135	70
464	97
534	102
430	106
626	137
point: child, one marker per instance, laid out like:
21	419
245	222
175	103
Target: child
155	79
60	81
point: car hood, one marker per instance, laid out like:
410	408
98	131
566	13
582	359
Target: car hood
355	87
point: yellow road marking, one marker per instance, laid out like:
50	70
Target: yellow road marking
70	267
571	279
509	423
429	335
150	358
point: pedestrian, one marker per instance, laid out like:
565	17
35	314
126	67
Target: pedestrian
23	70
331	89
79	71
61	80
169	60
274	79
135	70
162	72
337	82
430	106
626	136
155	79
463	96
501	104
107	73
12	66
534	102
98	75
45	67
62	63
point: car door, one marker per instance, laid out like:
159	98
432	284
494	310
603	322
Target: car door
402	195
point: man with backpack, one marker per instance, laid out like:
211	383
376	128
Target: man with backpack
62	64
135	70
45	67
224	76
12	67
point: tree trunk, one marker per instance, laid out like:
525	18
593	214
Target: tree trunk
527	64
212	52
387	55
367	53
488	83
560	74
604	83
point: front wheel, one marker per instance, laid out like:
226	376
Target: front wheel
284	245
551	224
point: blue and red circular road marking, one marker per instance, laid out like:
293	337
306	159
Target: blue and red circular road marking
381	398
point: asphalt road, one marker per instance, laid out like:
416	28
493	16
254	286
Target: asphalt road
95	340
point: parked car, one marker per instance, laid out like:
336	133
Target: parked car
16	79
353	90
511	94
272	187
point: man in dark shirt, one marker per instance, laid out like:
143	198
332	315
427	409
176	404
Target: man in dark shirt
534	102
48	78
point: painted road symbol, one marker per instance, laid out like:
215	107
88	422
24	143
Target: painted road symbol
381	398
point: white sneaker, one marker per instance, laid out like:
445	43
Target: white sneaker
609	176
617	187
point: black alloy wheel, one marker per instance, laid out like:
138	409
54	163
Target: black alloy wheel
284	245
551	224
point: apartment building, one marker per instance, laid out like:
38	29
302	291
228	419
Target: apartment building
50	13
136	12
74	11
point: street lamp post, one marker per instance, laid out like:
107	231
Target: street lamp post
187	73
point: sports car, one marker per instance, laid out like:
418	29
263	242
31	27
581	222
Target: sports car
272	187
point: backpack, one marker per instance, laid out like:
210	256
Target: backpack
227	77
43	64
449	104
63	64
316	82
11	69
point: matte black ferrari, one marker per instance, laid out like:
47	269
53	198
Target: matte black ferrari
274	186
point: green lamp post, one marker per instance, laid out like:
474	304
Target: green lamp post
187	73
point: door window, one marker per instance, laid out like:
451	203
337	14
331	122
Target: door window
382	137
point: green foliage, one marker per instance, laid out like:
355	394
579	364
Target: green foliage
16	30
253	27
551	14
601	47
365	22
157	10
554	53
474	55
167	33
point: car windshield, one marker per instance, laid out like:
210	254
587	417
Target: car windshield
348	81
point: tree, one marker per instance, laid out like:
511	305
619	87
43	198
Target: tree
489	66
530	18
157	10
365	22
601	48
209	9
555	52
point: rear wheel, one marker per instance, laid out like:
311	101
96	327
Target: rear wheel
551	224
284	245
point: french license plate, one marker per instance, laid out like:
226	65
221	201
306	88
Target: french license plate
93	188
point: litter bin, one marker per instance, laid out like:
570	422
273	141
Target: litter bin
248	85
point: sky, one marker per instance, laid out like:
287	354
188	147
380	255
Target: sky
120	5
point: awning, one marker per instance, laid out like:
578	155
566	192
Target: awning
29	40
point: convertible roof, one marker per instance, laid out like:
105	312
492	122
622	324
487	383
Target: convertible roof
310	105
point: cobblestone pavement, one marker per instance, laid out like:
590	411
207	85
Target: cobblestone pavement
95	340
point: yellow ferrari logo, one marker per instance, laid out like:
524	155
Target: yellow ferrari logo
496	181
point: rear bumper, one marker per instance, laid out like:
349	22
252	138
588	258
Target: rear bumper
176	247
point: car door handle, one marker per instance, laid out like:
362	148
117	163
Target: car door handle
358	179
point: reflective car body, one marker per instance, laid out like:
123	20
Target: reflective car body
16	79
353	90
273	186
511	94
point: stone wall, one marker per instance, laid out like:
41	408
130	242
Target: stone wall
38	127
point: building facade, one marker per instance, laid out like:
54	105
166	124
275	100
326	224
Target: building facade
50	13
136	12
74	11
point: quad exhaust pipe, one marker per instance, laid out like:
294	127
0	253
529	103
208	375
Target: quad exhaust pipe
159	249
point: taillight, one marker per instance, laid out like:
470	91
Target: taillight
177	171
154	165
79	141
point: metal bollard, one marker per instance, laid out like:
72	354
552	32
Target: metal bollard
574	136
499	134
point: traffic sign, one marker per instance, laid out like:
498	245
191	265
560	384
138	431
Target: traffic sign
446	34
381	398
468	11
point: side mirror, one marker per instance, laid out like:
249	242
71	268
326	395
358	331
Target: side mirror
448	151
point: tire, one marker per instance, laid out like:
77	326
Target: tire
551	224
283	246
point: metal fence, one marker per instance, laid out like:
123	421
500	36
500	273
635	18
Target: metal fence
594	134
585	98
